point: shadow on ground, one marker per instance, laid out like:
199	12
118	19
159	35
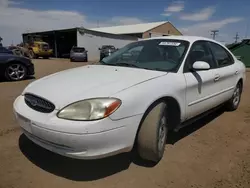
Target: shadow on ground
2	79
89	170
174	137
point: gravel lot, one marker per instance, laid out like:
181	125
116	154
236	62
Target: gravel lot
213	153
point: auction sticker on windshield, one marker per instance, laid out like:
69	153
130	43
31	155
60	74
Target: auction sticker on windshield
170	43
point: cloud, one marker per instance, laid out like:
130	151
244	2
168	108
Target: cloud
6	3
203	14
20	20
175	7
204	29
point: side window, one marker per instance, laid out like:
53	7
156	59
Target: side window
222	57
199	52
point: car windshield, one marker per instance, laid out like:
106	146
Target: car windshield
3	50
156	54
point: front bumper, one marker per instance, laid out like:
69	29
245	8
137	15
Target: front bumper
93	143
79	58
44	53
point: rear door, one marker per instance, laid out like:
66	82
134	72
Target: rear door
201	90
227	71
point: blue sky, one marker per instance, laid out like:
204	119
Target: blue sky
192	17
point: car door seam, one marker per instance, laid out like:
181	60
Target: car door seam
210	96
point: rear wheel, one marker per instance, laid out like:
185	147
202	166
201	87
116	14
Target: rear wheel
153	133
234	102
15	72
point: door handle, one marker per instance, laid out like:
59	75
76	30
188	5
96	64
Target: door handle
217	77
236	72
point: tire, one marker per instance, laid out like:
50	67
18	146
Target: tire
152	135
32	54
15	72
234	102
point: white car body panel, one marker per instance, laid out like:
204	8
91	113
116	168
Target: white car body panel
137	89
160	87
88	82
200	93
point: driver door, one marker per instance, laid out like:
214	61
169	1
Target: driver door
201	89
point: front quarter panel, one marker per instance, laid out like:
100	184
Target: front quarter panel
137	99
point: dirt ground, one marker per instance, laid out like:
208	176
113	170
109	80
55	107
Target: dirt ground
213	153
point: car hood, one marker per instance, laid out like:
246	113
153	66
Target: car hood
65	87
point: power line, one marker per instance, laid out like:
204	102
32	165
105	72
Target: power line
236	37
214	33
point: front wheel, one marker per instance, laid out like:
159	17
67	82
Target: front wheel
15	72
234	102
153	133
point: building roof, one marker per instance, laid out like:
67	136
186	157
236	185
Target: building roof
129	29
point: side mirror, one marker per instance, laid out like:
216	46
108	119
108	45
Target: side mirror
99	48
201	65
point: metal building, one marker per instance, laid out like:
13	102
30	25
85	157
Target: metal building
241	50
93	40
61	41
144	30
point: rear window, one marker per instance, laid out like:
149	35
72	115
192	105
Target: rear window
4	50
78	49
108	47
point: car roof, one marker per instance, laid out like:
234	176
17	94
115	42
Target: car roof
191	39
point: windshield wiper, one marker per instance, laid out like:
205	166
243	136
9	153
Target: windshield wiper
127	65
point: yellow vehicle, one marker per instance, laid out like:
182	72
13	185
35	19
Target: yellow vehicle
40	49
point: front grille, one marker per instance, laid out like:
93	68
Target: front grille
39	104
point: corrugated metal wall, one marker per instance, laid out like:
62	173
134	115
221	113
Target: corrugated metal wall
244	52
92	42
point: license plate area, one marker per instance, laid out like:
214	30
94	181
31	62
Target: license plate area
24	123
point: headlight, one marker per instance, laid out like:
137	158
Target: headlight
90	109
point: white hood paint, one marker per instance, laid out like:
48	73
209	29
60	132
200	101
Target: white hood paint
90	81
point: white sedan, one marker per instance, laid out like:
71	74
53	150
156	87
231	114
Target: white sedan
132	98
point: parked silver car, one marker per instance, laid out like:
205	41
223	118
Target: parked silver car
78	54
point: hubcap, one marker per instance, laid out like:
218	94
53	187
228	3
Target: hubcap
236	96
162	134
16	71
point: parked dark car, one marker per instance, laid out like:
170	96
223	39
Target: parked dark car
5	50
106	50
78	54
14	67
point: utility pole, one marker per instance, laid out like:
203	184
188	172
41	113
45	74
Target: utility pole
214	33
236	37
